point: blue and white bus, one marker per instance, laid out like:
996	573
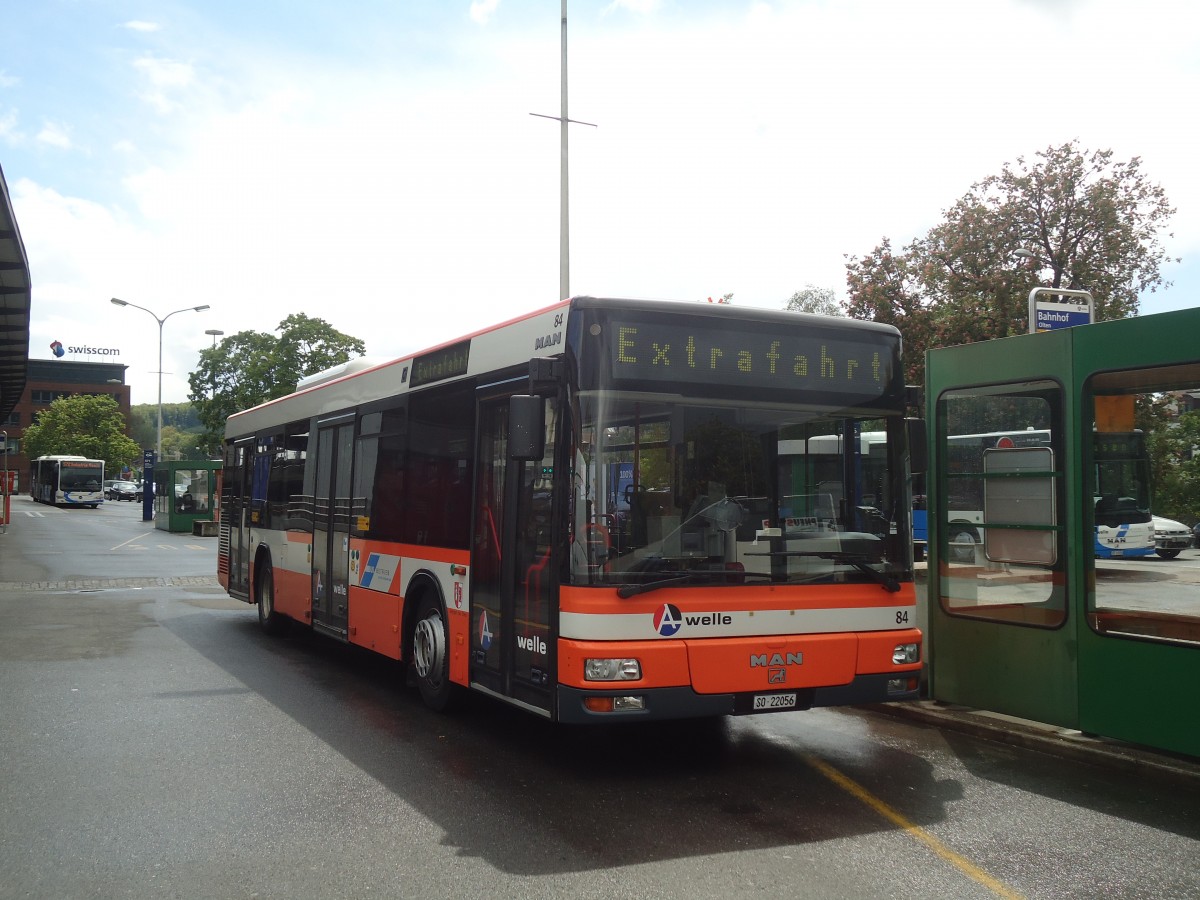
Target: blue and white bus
1124	527
67	481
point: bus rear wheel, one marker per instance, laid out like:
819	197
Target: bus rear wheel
1167	554
264	589
431	656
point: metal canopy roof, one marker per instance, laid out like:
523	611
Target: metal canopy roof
14	306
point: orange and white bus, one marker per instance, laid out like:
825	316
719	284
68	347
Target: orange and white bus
603	510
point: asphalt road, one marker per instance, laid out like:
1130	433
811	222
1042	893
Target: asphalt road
157	744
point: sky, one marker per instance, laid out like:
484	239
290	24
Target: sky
377	165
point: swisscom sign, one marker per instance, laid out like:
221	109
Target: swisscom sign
57	348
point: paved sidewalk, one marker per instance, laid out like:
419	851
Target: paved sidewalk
1064	742
108	584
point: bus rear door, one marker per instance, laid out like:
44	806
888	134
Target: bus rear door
331	528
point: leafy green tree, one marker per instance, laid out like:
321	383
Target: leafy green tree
251	367
822	301
1174	444
80	425
180	444
1089	222
142	419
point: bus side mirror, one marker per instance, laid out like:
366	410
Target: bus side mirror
918	449
526	427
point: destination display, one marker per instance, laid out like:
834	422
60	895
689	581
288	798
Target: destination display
668	352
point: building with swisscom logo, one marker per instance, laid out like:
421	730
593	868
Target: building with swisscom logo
47	380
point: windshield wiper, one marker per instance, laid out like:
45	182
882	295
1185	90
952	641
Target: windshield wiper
632	590
857	560
719	576
886	579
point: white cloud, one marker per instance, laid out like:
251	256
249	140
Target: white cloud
135	25
483	10
641	7
166	78
54	135
745	150
9	133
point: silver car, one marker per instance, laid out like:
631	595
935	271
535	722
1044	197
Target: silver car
1170	537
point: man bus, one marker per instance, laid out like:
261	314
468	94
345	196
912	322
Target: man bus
602	510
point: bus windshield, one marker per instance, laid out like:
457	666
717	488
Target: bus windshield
85	476
675	489
1122	478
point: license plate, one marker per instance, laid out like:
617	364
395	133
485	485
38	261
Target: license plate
774	701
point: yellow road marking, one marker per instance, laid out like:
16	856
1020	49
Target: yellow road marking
963	864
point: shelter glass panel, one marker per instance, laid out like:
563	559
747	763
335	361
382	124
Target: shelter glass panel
1144	471
1000	535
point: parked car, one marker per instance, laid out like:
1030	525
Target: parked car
1196	533
124	490
1170	537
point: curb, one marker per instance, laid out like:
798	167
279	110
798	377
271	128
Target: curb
1065	743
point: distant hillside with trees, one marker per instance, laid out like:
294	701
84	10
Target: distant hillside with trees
183	433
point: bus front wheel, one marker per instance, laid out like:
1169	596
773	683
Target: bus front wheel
431	656
1167	554
264	589
963	539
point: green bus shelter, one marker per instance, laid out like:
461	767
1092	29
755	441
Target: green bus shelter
1049	455
185	493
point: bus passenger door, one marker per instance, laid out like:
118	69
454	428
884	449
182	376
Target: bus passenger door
235	503
331	529
513	587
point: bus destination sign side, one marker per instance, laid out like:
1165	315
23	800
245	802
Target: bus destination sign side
446	362
1058	309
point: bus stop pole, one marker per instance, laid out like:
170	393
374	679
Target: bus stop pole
148	460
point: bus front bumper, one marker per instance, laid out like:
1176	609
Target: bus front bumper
661	704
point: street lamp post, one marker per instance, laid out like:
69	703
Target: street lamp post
214	333
158	432
1059	271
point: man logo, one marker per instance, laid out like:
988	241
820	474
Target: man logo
762	660
777	676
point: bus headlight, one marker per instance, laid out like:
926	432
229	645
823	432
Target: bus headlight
612	670
906	653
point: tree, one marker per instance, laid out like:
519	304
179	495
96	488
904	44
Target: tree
180	444
1174	445
822	301
80	425
143	426
252	367
1091	223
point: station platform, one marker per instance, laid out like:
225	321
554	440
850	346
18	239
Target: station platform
1067	743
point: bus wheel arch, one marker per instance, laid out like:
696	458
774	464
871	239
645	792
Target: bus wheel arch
427	644
269	618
